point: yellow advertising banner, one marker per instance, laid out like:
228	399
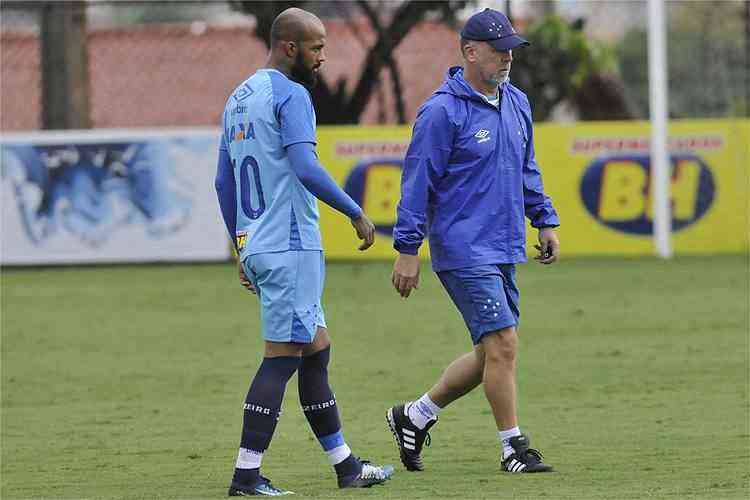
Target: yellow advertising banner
597	175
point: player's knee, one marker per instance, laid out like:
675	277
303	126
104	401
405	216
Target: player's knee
500	356
500	346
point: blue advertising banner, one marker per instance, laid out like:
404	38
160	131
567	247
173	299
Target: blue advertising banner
110	196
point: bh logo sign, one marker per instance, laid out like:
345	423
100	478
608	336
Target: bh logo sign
615	191
375	184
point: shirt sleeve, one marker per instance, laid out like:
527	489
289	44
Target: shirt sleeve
226	190
425	163
316	179
296	117
537	205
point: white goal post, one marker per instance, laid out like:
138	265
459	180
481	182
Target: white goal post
660	164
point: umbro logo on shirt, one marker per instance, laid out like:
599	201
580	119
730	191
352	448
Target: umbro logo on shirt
482	136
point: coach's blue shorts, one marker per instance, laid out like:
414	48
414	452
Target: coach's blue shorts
486	296
289	286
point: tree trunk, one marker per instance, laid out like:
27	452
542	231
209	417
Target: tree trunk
65	75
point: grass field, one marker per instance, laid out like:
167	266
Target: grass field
127	382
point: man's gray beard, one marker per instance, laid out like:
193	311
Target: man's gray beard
498	83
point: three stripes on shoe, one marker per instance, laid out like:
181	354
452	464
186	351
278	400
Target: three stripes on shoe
409	439
515	466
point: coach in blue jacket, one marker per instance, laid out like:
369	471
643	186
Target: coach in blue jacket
469	178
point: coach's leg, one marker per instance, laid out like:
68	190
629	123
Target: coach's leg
500	375
319	405
500	388
500	349
262	408
460	378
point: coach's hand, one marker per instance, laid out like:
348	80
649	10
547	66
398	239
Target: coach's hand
244	281
548	247
405	275
365	231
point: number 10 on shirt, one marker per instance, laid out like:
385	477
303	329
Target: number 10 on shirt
249	163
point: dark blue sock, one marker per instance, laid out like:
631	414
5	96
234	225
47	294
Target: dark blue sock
349	467
262	409
246	477
319	405
315	395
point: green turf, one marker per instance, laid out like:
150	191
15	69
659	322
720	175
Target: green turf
127	382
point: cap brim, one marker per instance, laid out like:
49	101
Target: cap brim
508	42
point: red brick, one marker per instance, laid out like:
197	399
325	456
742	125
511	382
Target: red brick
168	75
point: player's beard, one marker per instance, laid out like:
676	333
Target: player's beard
302	74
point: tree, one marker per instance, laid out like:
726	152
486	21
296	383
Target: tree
334	103
562	64
707	52
65	75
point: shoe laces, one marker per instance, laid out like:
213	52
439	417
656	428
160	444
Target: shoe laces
370	471
535	454
428	437
267	482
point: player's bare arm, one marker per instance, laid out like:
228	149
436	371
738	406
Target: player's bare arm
365	231
405	275
548	247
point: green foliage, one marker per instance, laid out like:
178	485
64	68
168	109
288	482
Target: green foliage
557	64
707	55
127	382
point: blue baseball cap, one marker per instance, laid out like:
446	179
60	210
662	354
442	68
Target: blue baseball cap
493	27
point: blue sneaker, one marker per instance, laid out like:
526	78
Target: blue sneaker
369	475
262	487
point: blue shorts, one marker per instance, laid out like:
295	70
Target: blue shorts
289	286
486	296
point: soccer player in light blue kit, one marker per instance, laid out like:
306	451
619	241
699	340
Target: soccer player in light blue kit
469	178
267	180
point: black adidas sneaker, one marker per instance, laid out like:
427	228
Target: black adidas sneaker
524	459
409	437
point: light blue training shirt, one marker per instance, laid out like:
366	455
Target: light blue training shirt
268	175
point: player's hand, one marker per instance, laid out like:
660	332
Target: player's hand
365	231
548	247
405	275
244	281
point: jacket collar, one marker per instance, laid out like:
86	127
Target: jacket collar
455	84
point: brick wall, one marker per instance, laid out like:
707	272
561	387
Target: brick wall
181	74
20	89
